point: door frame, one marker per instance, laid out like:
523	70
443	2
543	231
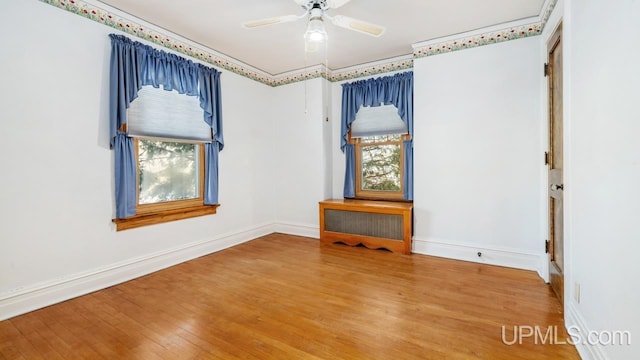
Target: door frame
555	22
556	274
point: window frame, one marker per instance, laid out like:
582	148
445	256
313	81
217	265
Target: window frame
174	204
166	211
360	193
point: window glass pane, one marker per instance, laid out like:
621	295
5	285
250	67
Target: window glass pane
381	167
168	171
381	138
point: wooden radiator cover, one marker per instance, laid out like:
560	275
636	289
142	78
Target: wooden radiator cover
374	224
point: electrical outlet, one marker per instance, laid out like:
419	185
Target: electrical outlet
576	292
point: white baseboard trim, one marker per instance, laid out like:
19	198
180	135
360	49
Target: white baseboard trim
23	300
312	231
573	319
469	252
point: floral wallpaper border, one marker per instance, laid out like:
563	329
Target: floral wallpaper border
136	29
493	37
301	75
547	12
131	27
479	40
369	70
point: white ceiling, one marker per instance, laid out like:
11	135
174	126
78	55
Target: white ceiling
279	48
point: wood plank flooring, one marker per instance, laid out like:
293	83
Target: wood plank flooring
288	297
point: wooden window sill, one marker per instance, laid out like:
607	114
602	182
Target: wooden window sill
164	216
384	196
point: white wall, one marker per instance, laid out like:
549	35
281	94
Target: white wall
327	140
602	171
56	191
300	158
477	154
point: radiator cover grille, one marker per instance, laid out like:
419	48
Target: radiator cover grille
388	226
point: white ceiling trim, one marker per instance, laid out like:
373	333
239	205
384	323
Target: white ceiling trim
131	25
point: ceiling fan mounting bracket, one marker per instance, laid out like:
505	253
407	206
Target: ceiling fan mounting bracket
316	4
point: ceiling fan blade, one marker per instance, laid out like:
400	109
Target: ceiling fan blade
358	25
270	21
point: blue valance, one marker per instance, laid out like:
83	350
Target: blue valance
134	65
396	90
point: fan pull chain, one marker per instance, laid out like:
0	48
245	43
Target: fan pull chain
327	83
305	81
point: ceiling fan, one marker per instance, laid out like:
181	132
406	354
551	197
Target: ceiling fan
316	11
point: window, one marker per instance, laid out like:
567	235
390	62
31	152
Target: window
165	127
169	175
379	167
168	139
378	134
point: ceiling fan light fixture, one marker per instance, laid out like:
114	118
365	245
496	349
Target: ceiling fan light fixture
315	31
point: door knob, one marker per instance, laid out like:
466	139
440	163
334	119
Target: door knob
557	186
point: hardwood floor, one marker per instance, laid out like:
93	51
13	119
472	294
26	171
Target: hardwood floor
288	297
